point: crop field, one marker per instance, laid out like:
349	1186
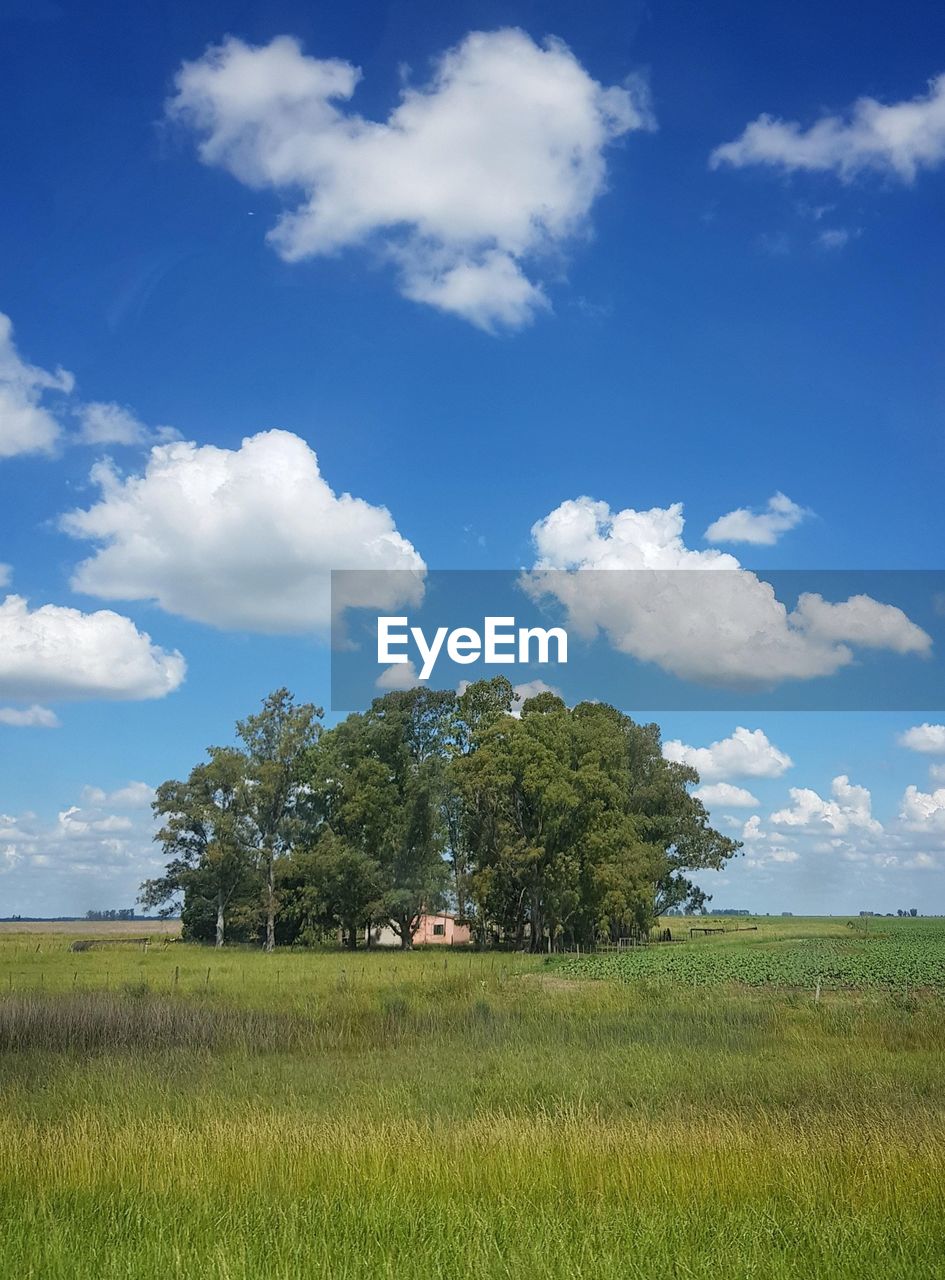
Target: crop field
879	954
172	1111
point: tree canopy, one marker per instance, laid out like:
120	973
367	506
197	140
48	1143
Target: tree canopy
538	824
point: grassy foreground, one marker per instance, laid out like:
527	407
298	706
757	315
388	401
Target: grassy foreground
174	1112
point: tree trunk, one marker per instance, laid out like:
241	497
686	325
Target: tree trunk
271	904
536	942
220	920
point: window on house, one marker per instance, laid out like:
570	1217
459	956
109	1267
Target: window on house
439	930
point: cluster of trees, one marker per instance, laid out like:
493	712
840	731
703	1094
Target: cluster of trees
111	913
549	825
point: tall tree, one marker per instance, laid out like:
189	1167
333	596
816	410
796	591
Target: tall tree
207	837
330	885
576	823
276	741
379	780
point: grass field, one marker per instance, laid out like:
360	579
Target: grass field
172	1111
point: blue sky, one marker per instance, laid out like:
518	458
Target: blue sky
643	328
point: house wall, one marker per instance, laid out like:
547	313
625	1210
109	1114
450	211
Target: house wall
455	935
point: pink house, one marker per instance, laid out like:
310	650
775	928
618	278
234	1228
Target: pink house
441	930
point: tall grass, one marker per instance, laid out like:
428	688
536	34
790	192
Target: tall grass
333	1116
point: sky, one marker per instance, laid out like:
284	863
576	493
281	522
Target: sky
292	288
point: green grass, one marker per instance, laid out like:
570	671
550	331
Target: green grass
327	1115
883	954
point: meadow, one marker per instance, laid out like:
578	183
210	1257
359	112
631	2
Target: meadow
170	1110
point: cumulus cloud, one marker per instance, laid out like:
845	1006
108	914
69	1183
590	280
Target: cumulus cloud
134	795
927	738
762	528
725	793
861	621
530	689
86	856
53	652
240	538
897	139
848	809
696	614
747	753
34	717
399	675
495	161
752	830
774	854
923	810
103	422
27	425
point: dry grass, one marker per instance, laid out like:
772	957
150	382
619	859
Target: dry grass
93	928
177	1112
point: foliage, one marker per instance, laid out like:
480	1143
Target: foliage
577	825
275	740
557	825
207	835
228	1115
908	955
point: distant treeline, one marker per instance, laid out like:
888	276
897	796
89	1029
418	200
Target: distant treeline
537	823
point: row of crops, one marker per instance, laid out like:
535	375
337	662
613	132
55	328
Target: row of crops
904	958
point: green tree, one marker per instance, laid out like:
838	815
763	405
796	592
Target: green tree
378	781
276	740
330	885
575	823
207	837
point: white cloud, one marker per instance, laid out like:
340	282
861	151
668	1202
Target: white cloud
102	422
861	621
923	810
86	856
53	652
134	795
76	822
724	627
899	139
34	717
776	854
834	237
724	793
937	772
762	528
752	831
922	862
240	538
530	689
927	738
26	424
747	753
399	675
849	809
496	160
